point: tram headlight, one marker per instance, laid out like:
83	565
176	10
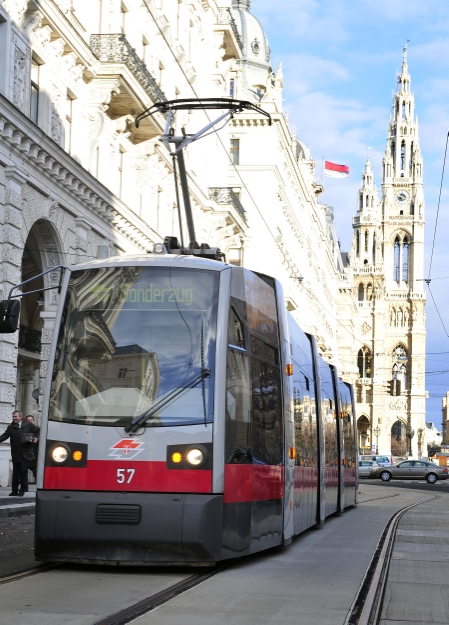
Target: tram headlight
196	457
59	454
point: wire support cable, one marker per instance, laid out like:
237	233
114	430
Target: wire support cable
438	210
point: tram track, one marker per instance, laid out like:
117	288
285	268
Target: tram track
134	611
139	608
367	605
28	573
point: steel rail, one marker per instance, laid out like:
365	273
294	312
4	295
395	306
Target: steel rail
28	573
367	605
144	606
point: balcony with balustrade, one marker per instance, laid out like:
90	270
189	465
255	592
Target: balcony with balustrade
132	85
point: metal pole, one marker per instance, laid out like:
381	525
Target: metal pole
177	200
186	198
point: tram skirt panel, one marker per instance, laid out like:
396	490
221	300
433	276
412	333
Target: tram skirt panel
252	515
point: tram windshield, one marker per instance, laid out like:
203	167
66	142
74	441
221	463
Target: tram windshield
129	338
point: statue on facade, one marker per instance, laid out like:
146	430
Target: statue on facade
406	317
392	316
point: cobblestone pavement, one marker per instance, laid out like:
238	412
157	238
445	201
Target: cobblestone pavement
16	544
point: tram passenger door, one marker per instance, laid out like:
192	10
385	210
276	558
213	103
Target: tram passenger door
330	437
254	434
306	471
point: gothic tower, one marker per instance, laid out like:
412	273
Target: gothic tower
387	258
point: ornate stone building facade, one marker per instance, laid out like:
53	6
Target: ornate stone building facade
387	269
78	179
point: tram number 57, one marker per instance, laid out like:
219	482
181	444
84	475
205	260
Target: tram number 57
125	475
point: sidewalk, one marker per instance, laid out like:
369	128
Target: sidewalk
417	589
15	506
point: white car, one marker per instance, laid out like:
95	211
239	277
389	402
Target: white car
383	461
365	467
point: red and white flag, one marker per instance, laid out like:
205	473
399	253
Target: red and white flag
335	171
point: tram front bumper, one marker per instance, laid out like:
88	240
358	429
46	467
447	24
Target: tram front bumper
128	528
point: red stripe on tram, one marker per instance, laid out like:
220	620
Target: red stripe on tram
253	482
128	476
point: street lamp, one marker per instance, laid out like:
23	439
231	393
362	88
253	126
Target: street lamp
376	433
410	433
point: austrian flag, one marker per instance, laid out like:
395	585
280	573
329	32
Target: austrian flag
335	171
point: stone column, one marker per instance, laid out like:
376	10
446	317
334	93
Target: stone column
28	379
12	179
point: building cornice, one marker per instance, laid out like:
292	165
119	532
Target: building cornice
42	153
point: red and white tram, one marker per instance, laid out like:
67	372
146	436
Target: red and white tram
187	417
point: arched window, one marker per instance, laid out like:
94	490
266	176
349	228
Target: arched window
393	151
361	201
374	248
367	201
366	240
357	243
403	156
364	362
361	293
403	111
405	260
369	292
397	246
411	159
372	202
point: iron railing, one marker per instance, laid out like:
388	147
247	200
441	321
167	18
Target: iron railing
117	49
225	17
224	195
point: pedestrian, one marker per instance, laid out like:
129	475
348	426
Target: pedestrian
33	463
21	438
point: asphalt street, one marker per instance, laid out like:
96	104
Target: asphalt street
438	488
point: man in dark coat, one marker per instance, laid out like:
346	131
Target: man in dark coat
21	438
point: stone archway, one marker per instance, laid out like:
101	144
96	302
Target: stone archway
363	435
398	439
38	310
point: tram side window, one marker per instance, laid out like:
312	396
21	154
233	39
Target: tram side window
261	307
267	431
329	416
236	335
347	421
238	408
305	418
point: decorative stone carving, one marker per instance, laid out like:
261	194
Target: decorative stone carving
365	328
398	404
16	9
19	89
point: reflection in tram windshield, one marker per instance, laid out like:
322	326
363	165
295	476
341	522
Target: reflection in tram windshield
129	337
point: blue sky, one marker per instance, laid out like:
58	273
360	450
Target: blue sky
340	60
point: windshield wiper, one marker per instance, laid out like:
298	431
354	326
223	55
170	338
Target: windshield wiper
141	419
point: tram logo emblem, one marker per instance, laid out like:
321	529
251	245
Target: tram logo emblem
126	449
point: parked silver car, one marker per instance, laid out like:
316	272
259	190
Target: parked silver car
411	470
365	467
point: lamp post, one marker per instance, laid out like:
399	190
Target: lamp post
376	433
420	437
410	433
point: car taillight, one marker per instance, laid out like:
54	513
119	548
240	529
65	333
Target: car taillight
444	469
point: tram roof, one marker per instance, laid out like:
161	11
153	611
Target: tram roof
158	260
